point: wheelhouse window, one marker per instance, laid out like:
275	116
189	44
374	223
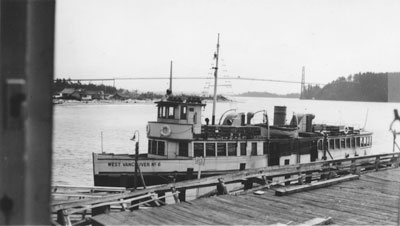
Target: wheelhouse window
183	112
210	149
171	112
254	148
232	147
243	149
183	149
198	149
221	149
162	112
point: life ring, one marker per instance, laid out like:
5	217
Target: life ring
346	130
165	131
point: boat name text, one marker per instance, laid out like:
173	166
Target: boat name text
132	164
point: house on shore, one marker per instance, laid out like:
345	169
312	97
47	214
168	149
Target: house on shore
70	93
119	96
79	94
92	95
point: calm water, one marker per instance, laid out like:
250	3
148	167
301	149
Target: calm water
78	127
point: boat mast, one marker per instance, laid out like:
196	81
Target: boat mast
216	55
170	78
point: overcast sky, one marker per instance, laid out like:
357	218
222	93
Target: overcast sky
259	39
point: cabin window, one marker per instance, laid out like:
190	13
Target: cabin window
370	141
363	141
198	149
161	148
171	112
287	161
183	112
254	148
331	144
342	143
284	147
221	149
347	142
191	109
358	140
319	145
273	155
243	149
156	147
183	149
232	149
353	142
210	149
149	147
337	143
265	148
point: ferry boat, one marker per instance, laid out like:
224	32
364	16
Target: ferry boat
181	146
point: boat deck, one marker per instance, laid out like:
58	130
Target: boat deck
371	200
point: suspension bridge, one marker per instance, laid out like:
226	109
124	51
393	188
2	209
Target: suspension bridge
194	78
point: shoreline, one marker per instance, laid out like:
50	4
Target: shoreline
101	102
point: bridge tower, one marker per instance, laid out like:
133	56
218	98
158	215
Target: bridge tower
303	83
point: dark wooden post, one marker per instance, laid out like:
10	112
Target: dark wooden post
100	210
308	178
353	167
377	161
221	187
62	218
135	182
326	145
189	173
26	81
248	184
182	195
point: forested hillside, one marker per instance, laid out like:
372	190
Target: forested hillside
359	87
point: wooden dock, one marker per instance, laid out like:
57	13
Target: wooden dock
292	194
371	200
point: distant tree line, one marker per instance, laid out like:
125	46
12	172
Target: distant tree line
267	94
367	86
60	84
